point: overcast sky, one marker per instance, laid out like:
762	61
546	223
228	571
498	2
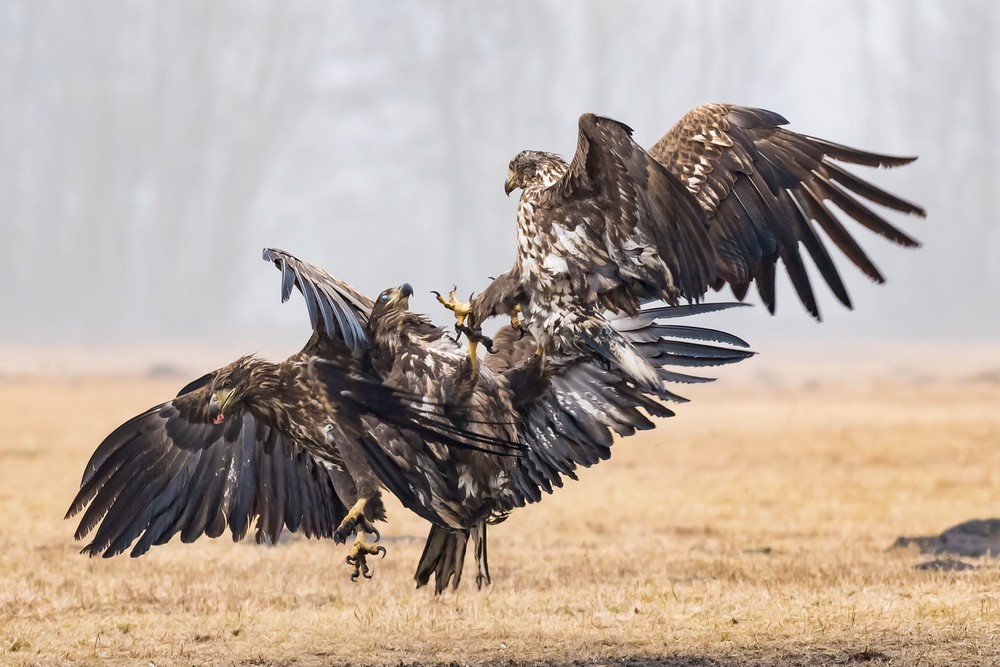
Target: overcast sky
149	150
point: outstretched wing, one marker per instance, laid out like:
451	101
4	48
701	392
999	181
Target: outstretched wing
763	186
171	470
570	410
337	311
643	234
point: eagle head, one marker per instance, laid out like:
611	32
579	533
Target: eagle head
390	320
533	168
392	299
229	387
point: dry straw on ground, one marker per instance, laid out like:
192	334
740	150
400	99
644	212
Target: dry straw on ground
751	529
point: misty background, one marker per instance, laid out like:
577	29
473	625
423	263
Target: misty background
150	150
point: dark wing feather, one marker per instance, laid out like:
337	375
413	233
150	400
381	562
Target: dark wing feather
337	311
571	409
764	187
405	409
170	470
630	204
501	296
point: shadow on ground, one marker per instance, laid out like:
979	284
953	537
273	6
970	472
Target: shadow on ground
972	539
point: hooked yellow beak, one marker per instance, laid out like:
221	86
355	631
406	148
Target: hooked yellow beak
509	186
218	403
402	295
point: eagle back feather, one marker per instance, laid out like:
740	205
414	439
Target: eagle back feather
456	487
651	232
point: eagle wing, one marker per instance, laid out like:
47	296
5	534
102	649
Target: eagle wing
762	186
460	435
337	311
171	470
338	314
631	208
570	409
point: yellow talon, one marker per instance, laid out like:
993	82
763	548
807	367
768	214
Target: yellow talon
355	520
515	317
357	558
460	308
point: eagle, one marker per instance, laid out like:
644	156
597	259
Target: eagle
721	199
275	443
563	413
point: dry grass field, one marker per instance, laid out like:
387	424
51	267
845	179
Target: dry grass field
751	529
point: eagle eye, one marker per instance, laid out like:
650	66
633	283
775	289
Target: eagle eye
227	384
384	298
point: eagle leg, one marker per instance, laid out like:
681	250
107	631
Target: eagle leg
354	521
475	336
358	558
460	308
515	320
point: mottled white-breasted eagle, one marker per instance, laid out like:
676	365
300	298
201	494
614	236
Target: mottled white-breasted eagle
723	198
563	412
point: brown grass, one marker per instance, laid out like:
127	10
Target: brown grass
751	529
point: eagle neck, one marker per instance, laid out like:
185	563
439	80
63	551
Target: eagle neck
390	333
531	239
266	398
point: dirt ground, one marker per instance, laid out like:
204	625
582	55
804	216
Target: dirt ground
751	529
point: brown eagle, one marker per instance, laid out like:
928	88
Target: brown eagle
563	412
721	199
279	443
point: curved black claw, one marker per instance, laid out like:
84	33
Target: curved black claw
476	335
352	524
358	559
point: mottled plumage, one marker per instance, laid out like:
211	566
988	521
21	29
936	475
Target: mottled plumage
279	443
563	410
765	190
720	199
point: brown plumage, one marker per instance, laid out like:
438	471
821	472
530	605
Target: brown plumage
765	190
386	399
563	411
720	199
279	443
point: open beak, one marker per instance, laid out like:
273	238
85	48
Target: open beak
217	405
509	186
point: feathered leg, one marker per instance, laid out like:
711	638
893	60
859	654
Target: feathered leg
368	507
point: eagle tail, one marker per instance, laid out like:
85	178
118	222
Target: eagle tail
444	557
610	345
